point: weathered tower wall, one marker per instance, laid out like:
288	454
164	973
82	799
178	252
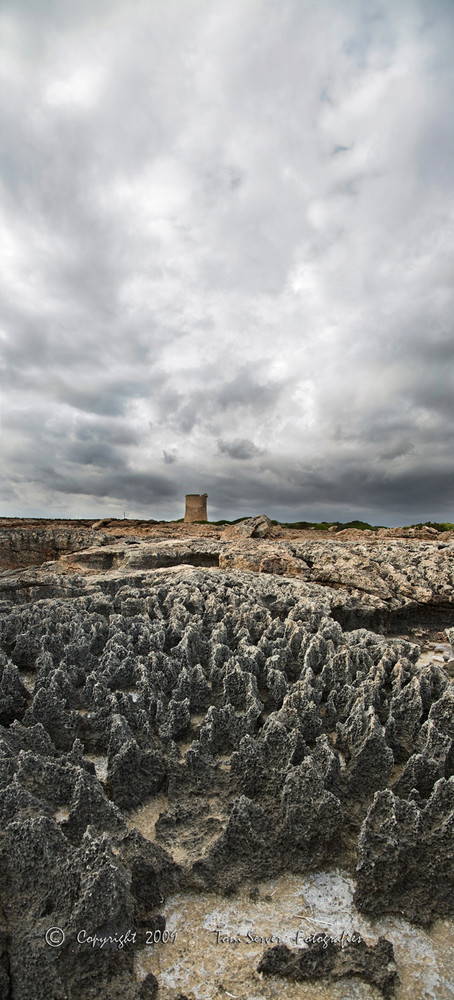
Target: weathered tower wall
196	507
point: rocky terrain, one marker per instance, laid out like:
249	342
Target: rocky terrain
242	689
319	960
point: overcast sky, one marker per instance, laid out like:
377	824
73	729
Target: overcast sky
226	257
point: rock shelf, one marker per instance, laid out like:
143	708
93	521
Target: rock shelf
226	687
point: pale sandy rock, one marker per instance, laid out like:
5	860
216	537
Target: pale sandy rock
21	546
386	573
264	557
251	527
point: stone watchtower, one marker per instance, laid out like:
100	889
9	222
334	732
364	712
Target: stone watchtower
196	507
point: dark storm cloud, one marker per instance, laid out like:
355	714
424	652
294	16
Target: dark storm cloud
112	432
212	404
136	487
330	492
397	449
95	453
240	448
98	398
141	488
226	256
245	390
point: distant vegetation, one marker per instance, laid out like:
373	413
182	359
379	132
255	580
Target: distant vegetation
362	525
439	525
325	525
236	521
180	520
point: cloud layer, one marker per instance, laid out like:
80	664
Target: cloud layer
226	257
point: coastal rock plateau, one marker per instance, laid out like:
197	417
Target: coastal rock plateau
174	710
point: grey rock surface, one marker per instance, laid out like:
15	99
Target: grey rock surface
405	855
245	709
373	963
